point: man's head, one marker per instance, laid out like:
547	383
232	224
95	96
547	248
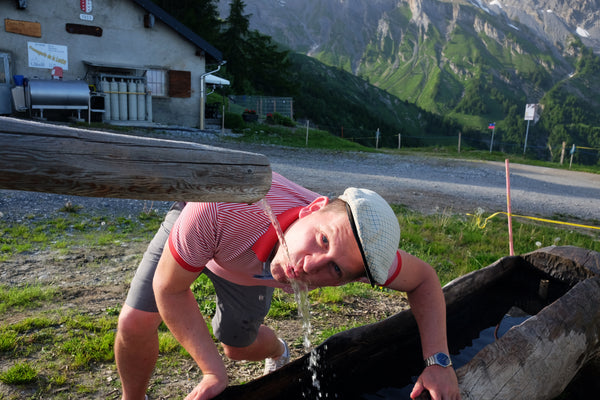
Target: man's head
327	249
375	229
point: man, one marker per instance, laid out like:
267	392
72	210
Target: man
329	243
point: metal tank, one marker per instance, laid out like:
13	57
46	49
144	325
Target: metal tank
58	94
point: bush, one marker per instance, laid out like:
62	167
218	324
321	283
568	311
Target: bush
278	119
233	121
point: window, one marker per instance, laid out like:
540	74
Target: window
156	81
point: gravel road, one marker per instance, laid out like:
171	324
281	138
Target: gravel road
424	184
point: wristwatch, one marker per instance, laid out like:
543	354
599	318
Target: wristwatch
441	359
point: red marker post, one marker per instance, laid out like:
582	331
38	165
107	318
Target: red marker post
510	234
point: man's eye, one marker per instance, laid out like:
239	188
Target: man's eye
337	270
325	240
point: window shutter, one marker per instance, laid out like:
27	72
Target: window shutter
180	83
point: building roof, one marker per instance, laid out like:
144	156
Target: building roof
180	28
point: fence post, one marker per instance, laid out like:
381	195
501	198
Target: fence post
377	139
459	139
562	153
399	141
306	132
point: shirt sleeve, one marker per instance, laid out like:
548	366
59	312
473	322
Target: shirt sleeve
194	237
395	269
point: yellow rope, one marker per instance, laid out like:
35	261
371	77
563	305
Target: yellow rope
485	221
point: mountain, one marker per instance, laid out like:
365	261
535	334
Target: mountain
473	60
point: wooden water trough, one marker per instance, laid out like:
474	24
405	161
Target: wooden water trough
53	158
555	351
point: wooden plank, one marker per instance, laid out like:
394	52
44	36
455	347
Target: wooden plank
26	28
56	159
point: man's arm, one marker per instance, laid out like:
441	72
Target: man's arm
180	312
421	284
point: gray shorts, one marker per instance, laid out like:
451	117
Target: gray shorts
240	309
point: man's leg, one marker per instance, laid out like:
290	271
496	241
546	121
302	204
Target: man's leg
136	350
238	322
136	341
266	345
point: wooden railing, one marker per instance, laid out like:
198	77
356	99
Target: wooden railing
53	158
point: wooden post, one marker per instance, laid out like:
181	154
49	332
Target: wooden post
562	152
572	152
56	159
307	123
459	139
399	140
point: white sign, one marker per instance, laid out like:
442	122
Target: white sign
86	17
44	55
530	112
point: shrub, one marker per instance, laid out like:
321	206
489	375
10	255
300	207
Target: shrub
233	121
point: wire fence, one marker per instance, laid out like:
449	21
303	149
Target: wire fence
264	105
571	153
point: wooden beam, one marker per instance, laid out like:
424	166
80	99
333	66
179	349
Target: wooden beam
52	158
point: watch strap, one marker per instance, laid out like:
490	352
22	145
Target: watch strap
441	359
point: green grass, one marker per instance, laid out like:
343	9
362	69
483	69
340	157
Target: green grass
19	374
72	229
19	298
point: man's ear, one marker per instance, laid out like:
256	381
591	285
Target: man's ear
316	205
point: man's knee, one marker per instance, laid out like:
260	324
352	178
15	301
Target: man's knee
136	323
235	353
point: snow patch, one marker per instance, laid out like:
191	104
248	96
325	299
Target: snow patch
496	3
478	3
582	32
514	27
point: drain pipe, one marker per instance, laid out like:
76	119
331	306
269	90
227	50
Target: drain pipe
203	92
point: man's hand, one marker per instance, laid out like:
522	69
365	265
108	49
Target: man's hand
439	381
209	387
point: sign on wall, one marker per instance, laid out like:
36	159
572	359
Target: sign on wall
85	5
45	55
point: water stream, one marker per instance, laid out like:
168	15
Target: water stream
300	295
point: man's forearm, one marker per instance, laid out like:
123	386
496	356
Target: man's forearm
183	318
429	308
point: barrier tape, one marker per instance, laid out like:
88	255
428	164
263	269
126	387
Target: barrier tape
485	221
587	148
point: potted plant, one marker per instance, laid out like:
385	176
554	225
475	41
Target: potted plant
250	115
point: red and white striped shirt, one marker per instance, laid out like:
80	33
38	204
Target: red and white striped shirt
233	239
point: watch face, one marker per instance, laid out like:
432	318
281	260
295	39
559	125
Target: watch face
442	359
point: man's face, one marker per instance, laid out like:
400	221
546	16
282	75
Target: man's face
322	249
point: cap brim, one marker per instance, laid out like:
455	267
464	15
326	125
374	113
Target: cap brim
360	247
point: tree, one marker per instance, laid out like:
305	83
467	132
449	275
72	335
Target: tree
234	45
201	16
